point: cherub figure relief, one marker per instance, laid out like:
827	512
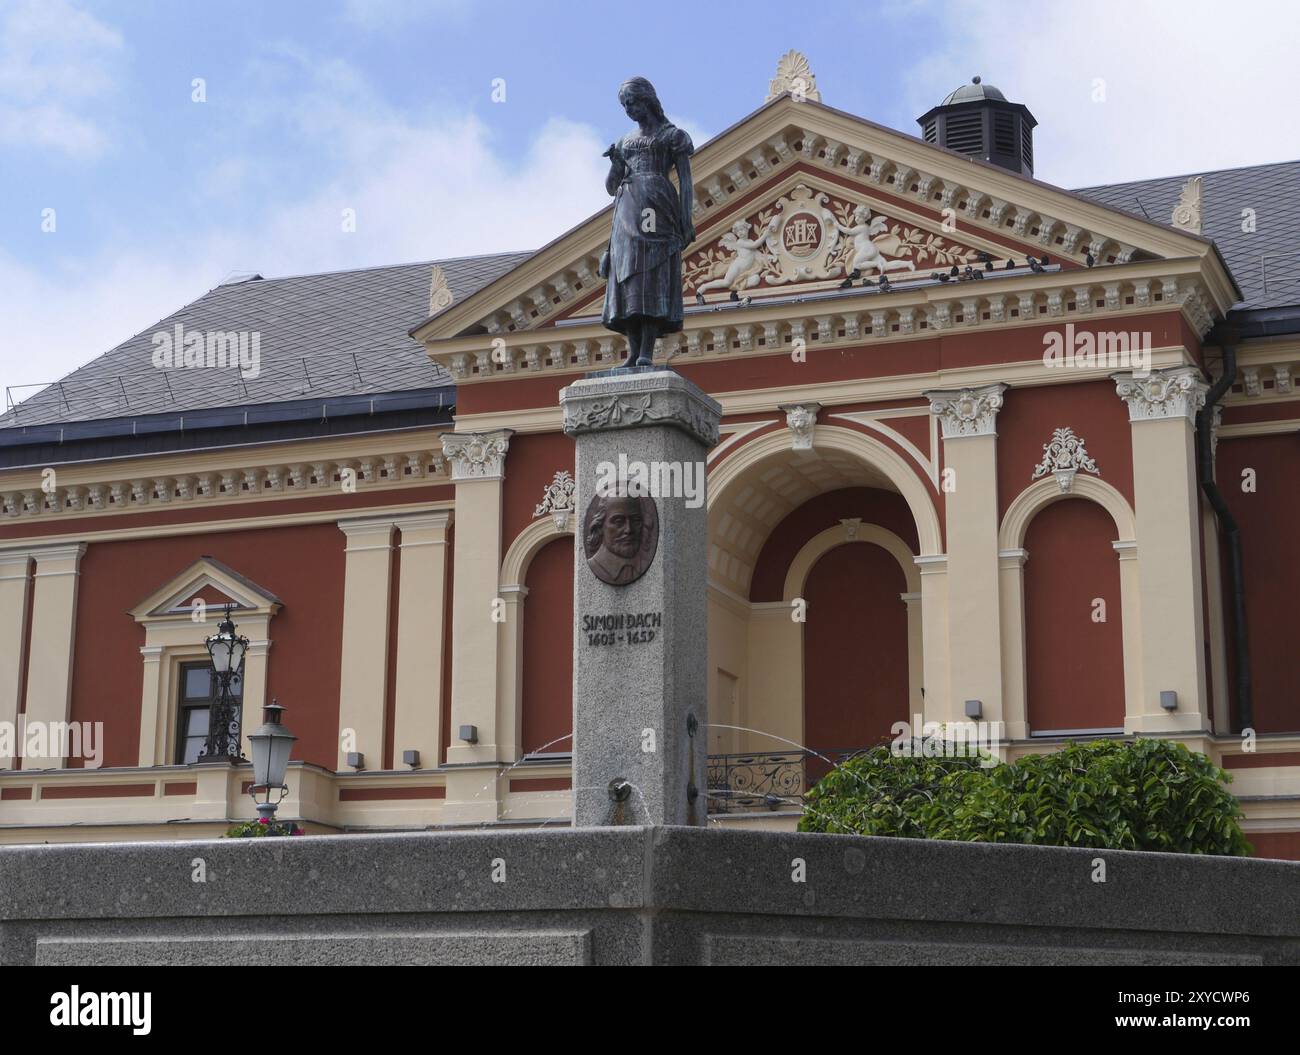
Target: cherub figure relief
745	270
866	255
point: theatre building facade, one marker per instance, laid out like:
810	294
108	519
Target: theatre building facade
990	450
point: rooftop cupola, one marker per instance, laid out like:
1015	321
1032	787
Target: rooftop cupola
978	121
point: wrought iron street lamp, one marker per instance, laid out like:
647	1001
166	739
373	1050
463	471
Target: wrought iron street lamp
227	650
270	745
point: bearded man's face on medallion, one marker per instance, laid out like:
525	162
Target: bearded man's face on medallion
620	538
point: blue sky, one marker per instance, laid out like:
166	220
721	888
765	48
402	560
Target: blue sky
385	107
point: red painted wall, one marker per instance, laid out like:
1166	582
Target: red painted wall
946	350
1075	666
855	649
1092	409
548	648
531	464
1268	519
301	565
874	506
1283	845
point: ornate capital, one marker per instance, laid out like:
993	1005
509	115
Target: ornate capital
1177	392
477	456
558	499
801	419
599	404
967	411
1063	456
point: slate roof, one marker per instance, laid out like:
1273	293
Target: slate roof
341	333
1265	263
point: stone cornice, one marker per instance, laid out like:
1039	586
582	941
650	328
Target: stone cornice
857	318
110	490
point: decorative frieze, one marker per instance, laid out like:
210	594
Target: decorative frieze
477	456
967	411
801	419
1175	392
112	496
668	403
1064	455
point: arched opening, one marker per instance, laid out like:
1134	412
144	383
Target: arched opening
547	696
1074	635
855	681
815	614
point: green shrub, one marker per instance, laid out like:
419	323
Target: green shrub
1107	794
260	829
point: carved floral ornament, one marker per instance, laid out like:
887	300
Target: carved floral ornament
1176	392
440	295
477	456
558	499
794	75
1064	456
967	411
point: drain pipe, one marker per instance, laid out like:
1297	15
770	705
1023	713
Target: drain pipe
1227	340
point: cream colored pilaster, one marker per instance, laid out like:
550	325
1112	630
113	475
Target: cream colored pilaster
510	715
421	603
970	459
254	693
478	469
153	698
1130	599
363	680
15	582
774	701
1011	600
1162	413
936	685
915	654
54	624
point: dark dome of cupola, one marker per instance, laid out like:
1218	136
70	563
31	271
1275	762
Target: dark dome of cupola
976	90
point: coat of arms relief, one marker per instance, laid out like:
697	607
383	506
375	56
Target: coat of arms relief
812	236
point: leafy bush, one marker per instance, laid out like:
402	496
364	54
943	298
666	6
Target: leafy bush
261	828
1107	794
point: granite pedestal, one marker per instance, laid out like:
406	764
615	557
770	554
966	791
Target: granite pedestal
640	650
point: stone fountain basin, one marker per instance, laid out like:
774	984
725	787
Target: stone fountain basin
636	895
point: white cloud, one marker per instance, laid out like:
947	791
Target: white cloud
56	62
1189	86
423	187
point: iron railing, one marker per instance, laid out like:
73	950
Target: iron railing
768	780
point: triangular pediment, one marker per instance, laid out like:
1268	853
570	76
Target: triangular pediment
210	582
928	208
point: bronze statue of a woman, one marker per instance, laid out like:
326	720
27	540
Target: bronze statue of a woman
652	224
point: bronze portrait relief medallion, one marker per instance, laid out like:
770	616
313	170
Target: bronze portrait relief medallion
619	537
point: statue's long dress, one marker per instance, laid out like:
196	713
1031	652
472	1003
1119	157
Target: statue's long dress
645	266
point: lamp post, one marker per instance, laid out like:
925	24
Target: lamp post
227	651
270	745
